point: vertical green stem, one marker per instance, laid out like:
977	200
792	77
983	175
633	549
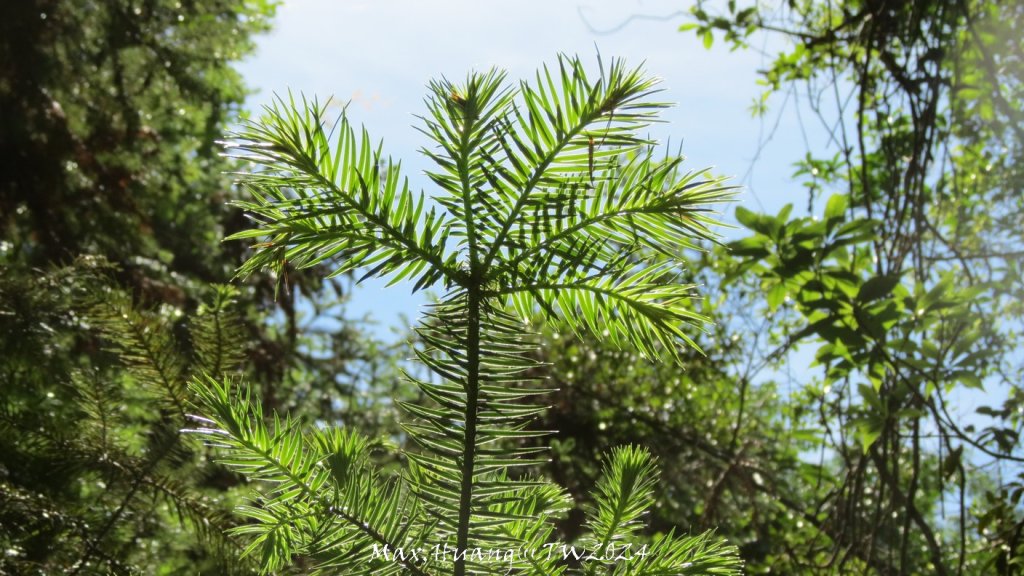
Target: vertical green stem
469	446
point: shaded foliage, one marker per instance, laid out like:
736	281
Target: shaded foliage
97	477
113	186
903	278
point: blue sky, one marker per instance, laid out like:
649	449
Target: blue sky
379	55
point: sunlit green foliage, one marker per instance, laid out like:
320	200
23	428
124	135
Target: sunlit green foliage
903	279
547	197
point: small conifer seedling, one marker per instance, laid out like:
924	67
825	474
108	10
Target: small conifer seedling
548	202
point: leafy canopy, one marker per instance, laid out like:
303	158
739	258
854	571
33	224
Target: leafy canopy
905	282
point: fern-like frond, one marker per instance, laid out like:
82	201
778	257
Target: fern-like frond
643	203
536	508
624	493
641	306
100	399
565	124
465	124
208	523
318	497
217	333
142	342
316	200
674	555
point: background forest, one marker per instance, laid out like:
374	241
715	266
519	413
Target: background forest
897	277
